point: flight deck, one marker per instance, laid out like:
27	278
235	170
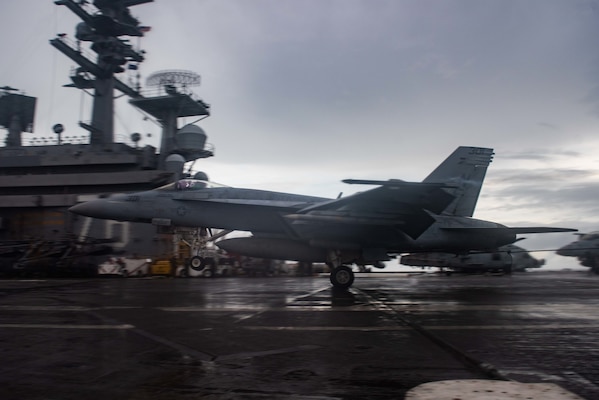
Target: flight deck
296	337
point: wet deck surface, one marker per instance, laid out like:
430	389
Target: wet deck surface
271	338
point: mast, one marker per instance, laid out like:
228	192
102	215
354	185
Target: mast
103	31
171	98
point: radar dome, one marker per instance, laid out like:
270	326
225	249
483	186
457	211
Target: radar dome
190	138
174	163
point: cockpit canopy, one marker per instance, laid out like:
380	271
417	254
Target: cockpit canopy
189	185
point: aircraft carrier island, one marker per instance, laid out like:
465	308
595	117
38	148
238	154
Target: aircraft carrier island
40	181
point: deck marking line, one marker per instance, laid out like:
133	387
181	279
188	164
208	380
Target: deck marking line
65	326
265	309
328	328
291	307
251	354
466	359
184	350
312	293
432	328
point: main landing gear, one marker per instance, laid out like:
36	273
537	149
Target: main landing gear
342	277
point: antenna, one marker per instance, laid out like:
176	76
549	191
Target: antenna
174	78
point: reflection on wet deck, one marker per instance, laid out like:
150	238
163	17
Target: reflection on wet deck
281	337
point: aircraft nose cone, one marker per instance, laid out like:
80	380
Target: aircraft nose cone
100	208
86	209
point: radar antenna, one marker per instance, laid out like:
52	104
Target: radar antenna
173	98
173	77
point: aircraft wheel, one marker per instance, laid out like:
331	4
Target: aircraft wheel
342	277
197	263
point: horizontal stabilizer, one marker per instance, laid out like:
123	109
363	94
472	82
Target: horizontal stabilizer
539	229
373	182
395	183
515	231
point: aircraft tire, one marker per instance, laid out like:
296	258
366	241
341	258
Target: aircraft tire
342	277
197	263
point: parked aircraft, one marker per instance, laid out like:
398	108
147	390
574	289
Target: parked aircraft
586	249
505	259
364	228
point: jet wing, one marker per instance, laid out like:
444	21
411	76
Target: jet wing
539	229
395	183
391	196
405	205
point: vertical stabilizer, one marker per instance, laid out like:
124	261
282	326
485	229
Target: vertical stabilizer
465	168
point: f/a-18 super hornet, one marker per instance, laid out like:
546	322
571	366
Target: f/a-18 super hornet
586	249
505	259
366	228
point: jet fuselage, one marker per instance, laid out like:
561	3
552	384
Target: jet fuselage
272	214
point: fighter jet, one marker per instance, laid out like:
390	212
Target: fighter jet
365	228
505	259
586	249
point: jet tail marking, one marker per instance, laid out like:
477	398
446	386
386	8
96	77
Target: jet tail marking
465	170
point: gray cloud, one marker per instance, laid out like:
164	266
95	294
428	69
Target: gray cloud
540	177
539	154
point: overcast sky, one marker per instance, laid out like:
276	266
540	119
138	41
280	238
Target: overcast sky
306	93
